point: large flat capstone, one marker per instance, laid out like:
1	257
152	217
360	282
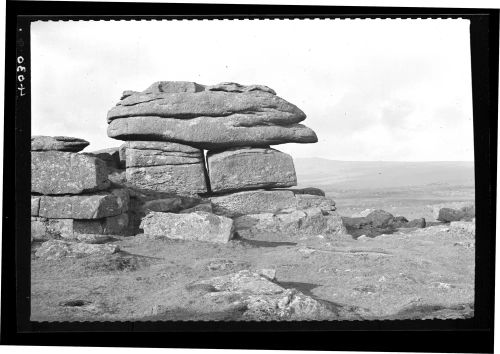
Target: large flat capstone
250	168
197	226
208	117
58	172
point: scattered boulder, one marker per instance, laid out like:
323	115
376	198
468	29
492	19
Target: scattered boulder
419	223
197	226
263	299
454	211
85	206
380	218
56	249
57	143
239	169
57	172
449	214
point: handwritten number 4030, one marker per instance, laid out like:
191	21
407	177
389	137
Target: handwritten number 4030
20	77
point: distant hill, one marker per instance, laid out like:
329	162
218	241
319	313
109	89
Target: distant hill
343	175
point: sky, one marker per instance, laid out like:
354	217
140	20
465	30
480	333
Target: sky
372	90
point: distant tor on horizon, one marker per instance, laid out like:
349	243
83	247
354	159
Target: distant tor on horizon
382	174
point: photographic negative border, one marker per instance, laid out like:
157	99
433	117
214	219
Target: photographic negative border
470	335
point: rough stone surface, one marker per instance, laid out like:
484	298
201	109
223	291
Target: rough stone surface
57	143
56	249
291	223
463	226
57	172
250	168
157	153
208	133
110	156
464	210
380	218
142	202
35	205
181	179
449	214
90	206
262	299
197	226
252	106
43	229
205	206
420	223
112	225
305	201
308	190
253	202
93	238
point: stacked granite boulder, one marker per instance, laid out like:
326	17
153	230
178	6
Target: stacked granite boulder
215	142
71	196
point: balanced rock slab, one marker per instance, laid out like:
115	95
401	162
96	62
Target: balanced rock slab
208	117
216	101
250	168
197	226
58	172
166	167
209	133
85	206
57	143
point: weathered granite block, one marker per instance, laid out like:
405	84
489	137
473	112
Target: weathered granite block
57	172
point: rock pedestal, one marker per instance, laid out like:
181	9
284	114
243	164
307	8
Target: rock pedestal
71	193
250	168
165	167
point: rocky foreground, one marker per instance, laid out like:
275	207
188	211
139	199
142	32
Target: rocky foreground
409	274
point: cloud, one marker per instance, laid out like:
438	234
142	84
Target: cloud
371	89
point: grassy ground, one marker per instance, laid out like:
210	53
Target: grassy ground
415	274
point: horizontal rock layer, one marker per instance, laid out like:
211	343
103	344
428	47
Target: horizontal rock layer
250	168
157	153
85	206
57	172
181	179
197	226
209	133
220	101
57	143
271	201
291	223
